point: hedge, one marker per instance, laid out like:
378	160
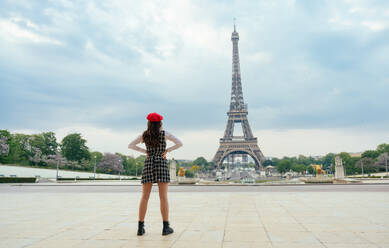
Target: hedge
17	179
97	179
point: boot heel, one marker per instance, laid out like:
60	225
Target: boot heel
141	228
166	228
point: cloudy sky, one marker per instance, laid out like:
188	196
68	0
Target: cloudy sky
314	73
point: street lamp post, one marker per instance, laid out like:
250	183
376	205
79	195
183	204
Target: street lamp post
94	169
56	178
136	169
120	161
344	168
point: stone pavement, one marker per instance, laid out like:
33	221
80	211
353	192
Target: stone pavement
200	219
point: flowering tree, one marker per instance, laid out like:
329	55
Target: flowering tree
111	162
55	158
382	161
4	146
366	164
35	155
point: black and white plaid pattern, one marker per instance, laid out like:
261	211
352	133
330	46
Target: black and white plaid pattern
156	167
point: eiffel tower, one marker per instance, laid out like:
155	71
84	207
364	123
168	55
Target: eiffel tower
231	145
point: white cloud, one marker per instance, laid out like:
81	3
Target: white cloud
336	91
340	22
14	33
117	54
360	15
374	25
101	57
259	58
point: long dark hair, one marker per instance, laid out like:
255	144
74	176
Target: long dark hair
151	135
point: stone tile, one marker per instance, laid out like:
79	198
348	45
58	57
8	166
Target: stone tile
212	236
205	226
17	243
189	235
246	236
58	243
243	219
376	237
148	243
196	244
297	245
297	219
367	228
99	244
342	245
278	220
293	237
243	226
114	235
77	233
341	237
317	228
246	245
284	227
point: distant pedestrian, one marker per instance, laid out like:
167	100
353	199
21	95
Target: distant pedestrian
155	168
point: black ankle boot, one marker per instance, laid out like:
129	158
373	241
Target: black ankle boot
166	228
141	228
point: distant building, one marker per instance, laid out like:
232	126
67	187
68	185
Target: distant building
355	154
318	157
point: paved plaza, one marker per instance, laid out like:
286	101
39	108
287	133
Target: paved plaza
67	216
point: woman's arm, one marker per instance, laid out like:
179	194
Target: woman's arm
176	141
133	145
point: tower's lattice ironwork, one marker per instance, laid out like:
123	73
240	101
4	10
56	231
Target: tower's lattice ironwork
230	144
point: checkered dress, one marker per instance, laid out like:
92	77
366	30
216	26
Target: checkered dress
156	167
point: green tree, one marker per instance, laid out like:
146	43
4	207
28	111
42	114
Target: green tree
51	144
251	165
203	163
328	160
382	148
189	173
311	170
275	161
299	167
138	165
284	166
366	164
200	161
370	154
131	167
73	148
140	159
267	163
20	149
91	163
349	163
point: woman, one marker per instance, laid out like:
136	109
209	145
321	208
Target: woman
155	168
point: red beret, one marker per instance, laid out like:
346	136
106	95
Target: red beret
154	117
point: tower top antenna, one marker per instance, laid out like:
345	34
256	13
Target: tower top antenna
234	24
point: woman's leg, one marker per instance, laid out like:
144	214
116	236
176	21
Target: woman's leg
164	205
146	189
